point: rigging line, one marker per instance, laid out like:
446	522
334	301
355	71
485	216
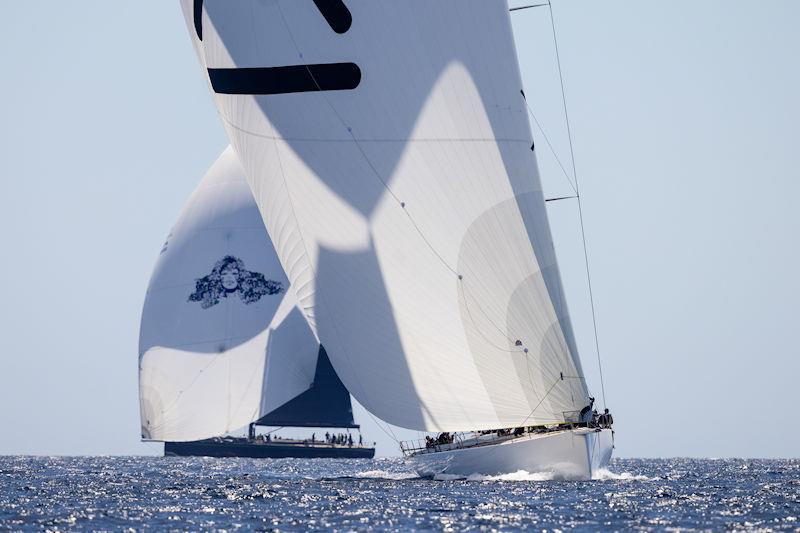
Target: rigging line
550	145
542	400
530	376
563	94
528	6
389	433
559	198
305	250
560	310
363	153
398	200
478	329
191	384
377	174
373	168
578	194
591	302
401	203
322	301
244	396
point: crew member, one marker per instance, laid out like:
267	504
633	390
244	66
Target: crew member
586	410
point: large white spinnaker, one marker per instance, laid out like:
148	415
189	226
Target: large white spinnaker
388	147
222	342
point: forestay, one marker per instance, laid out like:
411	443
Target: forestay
388	147
222	342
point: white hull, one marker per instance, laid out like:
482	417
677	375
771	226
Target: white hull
573	454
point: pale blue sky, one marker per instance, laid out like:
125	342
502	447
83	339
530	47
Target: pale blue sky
685	118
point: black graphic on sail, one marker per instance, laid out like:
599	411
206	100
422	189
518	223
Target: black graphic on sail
325	404
335	12
230	277
287	79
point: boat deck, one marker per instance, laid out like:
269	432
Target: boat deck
281	442
258	448
474	439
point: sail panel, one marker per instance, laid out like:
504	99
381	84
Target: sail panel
193	15
222	341
411	210
325	404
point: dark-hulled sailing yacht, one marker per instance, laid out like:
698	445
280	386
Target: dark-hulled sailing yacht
223	345
325	405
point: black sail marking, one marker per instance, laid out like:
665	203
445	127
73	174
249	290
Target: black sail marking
288	79
336	13
198	18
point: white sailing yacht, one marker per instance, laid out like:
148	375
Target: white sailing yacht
388	147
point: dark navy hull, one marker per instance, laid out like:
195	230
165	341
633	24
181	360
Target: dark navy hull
259	450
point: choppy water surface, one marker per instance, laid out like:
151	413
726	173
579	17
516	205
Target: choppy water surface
289	494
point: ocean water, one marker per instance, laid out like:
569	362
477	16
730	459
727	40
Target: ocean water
112	493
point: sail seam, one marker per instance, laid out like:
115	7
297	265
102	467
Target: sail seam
353	138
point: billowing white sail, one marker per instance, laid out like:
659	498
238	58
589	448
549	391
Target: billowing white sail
389	150
192	14
222	342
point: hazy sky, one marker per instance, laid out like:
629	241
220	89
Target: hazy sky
685	117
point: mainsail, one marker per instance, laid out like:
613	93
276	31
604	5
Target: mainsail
388	147
222	342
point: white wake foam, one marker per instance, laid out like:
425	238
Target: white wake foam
605	474
519	475
447	477
565	475
385	474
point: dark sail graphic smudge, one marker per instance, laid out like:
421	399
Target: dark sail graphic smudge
229	277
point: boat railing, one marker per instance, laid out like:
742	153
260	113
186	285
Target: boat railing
459	441
473	439
414	447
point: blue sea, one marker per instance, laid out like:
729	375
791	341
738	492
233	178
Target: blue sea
114	493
